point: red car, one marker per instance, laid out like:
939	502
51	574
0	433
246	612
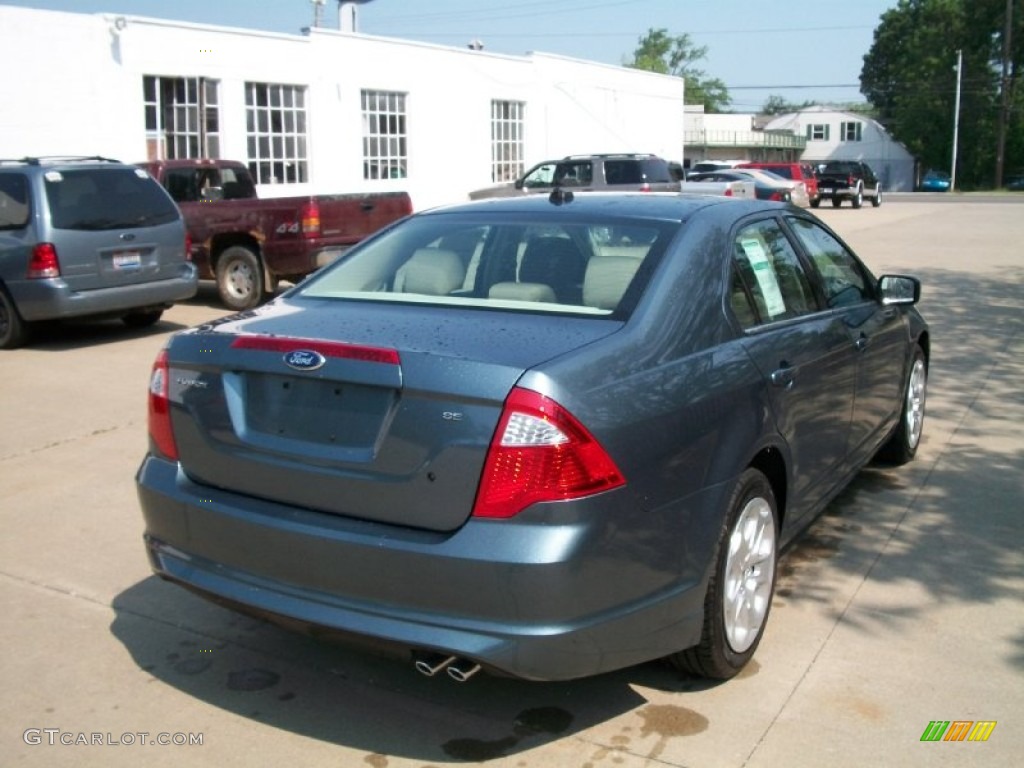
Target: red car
797	172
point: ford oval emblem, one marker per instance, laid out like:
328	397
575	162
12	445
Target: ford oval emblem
304	359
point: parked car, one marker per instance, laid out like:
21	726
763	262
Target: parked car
547	436
248	244
935	181
704	166
589	173
850	180
766	186
801	172
1015	181
741	188
86	237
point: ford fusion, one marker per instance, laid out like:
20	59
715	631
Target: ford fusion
540	437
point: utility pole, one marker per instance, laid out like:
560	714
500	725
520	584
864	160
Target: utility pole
1004	111
956	119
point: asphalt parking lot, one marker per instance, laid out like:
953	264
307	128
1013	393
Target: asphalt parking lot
902	605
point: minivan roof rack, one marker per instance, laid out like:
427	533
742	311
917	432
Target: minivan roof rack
48	159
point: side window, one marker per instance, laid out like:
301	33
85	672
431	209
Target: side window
842	276
13	201
770	271
541	176
575	174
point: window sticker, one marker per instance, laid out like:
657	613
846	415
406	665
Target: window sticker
765	274
53	176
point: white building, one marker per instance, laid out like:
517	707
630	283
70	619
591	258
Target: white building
325	111
833	134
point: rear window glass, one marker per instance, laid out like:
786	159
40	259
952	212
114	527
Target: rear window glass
106	198
14	207
583	267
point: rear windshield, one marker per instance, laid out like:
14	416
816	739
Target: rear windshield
779	170
471	260
106	198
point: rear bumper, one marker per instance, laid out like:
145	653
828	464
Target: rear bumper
536	601
53	299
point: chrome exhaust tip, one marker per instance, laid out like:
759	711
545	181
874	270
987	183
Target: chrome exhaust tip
431	665
462	673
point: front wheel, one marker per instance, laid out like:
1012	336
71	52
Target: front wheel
836	202
816	202
902	446
239	278
742	583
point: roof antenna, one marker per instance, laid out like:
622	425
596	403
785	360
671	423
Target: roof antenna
560	195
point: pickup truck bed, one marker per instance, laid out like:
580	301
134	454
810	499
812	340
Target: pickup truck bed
248	244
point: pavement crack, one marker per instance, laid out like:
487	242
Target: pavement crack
67	441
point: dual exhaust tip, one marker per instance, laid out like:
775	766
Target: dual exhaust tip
458	669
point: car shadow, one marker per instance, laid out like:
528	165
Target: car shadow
61	335
367	700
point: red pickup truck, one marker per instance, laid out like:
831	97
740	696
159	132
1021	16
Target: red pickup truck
248	244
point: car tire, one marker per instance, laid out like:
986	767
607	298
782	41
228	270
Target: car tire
816	202
14	331
239	278
877	199
142	319
902	445
741	586
858	198
836	202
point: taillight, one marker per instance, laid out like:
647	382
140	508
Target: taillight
645	187
43	262
540	452
728	192
188	246
160	431
310	216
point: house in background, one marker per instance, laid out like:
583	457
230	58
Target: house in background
738	136
325	111
833	134
813	135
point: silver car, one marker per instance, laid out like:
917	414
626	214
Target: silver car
86	237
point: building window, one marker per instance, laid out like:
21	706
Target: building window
851	131
385	151
817	132
182	119
506	140
275	125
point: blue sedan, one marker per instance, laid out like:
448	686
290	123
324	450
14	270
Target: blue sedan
545	437
935	181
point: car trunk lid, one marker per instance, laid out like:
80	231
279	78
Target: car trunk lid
388	420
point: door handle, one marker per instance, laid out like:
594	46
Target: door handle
784	376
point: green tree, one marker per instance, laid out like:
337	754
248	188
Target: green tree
658	52
909	77
778	105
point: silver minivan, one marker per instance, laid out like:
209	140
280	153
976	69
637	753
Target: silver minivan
87	237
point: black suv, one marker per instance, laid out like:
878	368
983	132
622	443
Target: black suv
87	237
590	173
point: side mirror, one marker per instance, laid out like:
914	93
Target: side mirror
899	289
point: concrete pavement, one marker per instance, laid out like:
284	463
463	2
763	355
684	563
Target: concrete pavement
901	606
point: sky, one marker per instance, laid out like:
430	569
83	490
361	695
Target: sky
802	50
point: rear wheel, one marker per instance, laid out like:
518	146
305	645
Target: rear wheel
902	446
877	199
740	590
14	331
858	198
239	278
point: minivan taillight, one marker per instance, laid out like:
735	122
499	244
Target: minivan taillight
310	216
188	247
43	262
540	452
160	430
